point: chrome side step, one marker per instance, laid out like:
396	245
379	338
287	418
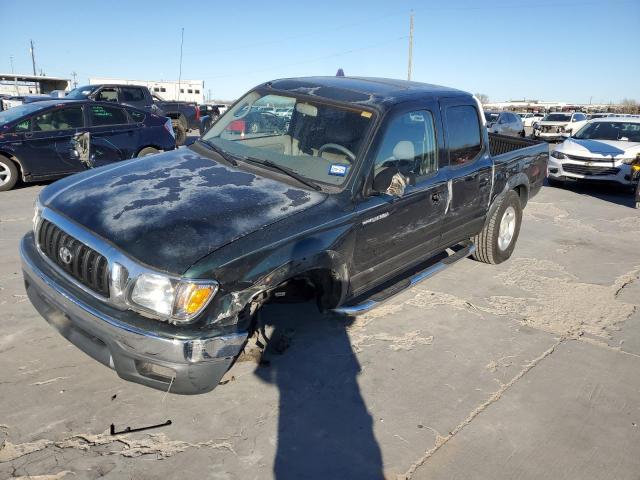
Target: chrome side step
391	291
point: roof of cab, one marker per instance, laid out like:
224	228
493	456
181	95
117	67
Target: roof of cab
363	90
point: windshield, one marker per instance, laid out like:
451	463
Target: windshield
557	117
317	141
625	131
491	117
81	92
8	116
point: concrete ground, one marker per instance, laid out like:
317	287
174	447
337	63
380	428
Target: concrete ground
529	370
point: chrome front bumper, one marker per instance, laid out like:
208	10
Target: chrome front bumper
186	363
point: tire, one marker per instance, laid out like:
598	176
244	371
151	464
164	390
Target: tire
183	122
491	246
8	174
555	183
180	132
147	151
637	204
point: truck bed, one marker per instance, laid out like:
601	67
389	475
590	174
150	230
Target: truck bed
501	144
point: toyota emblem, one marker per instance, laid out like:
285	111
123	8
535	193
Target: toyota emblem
65	255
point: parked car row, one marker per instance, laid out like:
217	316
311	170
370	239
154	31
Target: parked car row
51	139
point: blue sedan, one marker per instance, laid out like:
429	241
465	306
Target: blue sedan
51	139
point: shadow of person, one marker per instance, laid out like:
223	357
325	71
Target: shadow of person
324	428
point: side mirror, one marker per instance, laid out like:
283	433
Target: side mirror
390	181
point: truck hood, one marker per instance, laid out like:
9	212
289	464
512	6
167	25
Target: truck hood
608	148
171	209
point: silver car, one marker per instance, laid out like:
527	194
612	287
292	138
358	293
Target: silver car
504	123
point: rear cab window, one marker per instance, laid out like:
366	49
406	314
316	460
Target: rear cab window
103	115
463	134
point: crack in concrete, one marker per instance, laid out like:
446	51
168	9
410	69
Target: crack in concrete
493	398
153	444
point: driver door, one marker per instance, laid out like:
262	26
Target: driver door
401	226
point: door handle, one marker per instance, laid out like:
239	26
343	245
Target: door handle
28	135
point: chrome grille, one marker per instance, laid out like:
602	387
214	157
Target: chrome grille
79	261
589	170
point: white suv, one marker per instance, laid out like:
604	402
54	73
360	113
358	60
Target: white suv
559	125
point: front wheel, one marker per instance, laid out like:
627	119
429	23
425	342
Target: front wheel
497	240
8	174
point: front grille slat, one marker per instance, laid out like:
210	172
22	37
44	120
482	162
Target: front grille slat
88	267
94	272
590	170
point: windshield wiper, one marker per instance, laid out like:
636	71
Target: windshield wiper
219	151
286	171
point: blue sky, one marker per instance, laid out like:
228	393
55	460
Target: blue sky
565	50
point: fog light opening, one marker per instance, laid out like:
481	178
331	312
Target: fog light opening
155	372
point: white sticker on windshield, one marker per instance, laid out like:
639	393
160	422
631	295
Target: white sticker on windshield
338	169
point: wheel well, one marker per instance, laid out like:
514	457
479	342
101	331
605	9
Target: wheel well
147	146
322	285
15	161
523	193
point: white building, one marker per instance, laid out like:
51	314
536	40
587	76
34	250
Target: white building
185	90
13	84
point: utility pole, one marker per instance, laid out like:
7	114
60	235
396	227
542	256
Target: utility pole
33	62
11	60
209	95
410	45
180	74
74	75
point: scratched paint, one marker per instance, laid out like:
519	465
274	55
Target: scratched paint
172	209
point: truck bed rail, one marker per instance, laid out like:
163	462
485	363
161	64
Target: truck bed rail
499	144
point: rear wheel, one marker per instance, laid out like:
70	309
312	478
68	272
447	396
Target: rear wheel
180	132
8	174
495	243
147	151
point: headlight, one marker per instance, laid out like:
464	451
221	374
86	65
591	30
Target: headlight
37	216
558	155
172	299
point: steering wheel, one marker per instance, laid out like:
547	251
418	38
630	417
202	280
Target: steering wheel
340	148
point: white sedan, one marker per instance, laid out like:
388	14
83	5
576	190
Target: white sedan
602	150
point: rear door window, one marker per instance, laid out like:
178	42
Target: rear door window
132	94
463	134
102	115
59	119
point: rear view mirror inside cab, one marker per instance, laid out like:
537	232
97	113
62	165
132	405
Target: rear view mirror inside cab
307	109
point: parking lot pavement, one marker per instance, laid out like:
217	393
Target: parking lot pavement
528	370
